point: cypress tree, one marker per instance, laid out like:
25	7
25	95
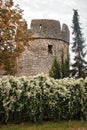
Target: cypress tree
64	65
67	71
55	70
78	48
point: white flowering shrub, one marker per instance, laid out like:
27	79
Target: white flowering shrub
40	98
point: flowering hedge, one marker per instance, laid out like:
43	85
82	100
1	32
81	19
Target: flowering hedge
40	98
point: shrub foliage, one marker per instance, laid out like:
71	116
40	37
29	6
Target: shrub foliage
40	98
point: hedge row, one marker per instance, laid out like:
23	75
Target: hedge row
40	98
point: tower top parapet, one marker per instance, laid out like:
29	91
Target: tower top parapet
50	29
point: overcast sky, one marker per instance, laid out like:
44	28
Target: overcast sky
55	9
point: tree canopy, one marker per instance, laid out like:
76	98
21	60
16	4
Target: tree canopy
13	34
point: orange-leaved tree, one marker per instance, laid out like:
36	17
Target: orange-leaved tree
13	34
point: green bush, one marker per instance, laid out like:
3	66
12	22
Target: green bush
40	98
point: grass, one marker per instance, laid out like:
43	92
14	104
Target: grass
72	125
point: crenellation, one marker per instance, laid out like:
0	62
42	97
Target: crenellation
65	32
44	28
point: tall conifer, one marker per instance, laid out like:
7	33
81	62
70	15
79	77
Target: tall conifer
78	48
55	70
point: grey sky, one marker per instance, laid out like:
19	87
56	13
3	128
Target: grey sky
55	9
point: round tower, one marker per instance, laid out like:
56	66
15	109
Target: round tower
49	39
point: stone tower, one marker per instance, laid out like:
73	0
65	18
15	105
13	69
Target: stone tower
48	41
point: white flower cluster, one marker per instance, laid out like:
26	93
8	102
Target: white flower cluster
43	97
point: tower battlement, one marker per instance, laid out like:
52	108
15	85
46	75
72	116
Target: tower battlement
49	29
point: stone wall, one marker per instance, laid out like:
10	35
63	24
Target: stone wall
37	58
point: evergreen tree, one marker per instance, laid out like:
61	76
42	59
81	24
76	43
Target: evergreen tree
64	65
78	47
66	71
60	69
55	71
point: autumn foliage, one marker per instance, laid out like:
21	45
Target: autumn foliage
13	34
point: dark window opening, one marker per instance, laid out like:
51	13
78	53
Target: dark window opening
40	26
50	48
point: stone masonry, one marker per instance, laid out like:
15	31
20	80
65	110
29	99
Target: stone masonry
49	38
